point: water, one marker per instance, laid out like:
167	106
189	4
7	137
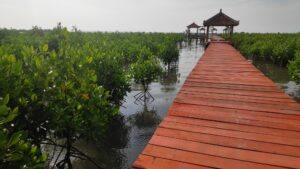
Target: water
144	118
139	121
280	76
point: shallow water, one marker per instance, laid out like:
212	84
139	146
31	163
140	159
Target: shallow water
144	118
280	76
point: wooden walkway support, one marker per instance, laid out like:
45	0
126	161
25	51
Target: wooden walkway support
226	115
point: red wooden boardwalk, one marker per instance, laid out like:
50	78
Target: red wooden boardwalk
226	115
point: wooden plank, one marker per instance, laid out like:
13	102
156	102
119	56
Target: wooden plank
233	126
230	142
231	133
236	113
227	152
238	120
250	99
237	105
236	92
145	161
201	159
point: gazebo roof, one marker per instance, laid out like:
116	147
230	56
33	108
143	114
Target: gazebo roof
220	19
193	25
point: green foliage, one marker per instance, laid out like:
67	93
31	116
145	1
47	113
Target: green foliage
169	53
15	151
145	71
294	67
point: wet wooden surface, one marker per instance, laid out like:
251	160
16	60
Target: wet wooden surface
226	115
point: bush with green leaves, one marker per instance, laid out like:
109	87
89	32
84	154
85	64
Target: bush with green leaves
146	69
294	67
169	53
15	150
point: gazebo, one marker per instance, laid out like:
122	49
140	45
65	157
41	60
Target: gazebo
191	26
214	30
202	29
220	19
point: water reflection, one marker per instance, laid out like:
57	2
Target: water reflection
107	151
280	76
145	118
169	79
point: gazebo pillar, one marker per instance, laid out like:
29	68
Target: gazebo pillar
231	31
207	32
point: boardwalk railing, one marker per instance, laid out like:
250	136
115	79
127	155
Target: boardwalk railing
226	115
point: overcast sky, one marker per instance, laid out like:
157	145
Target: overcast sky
149	15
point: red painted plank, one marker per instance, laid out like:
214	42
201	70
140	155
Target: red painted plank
236	113
201	159
227	152
250	99
237	120
230	142
149	162
233	126
231	133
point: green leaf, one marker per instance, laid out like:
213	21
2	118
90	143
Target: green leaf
45	48
3	110
79	107
10	117
33	150
5	100
15	111
33	97
44	157
90	59
15	138
37	62
94	78
15	156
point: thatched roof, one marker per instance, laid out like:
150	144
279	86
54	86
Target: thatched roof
193	25
220	19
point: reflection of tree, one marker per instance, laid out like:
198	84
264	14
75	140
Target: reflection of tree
169	78
116	135
145	118
105	151
116	138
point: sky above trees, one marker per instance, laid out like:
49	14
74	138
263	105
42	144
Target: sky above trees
149	15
